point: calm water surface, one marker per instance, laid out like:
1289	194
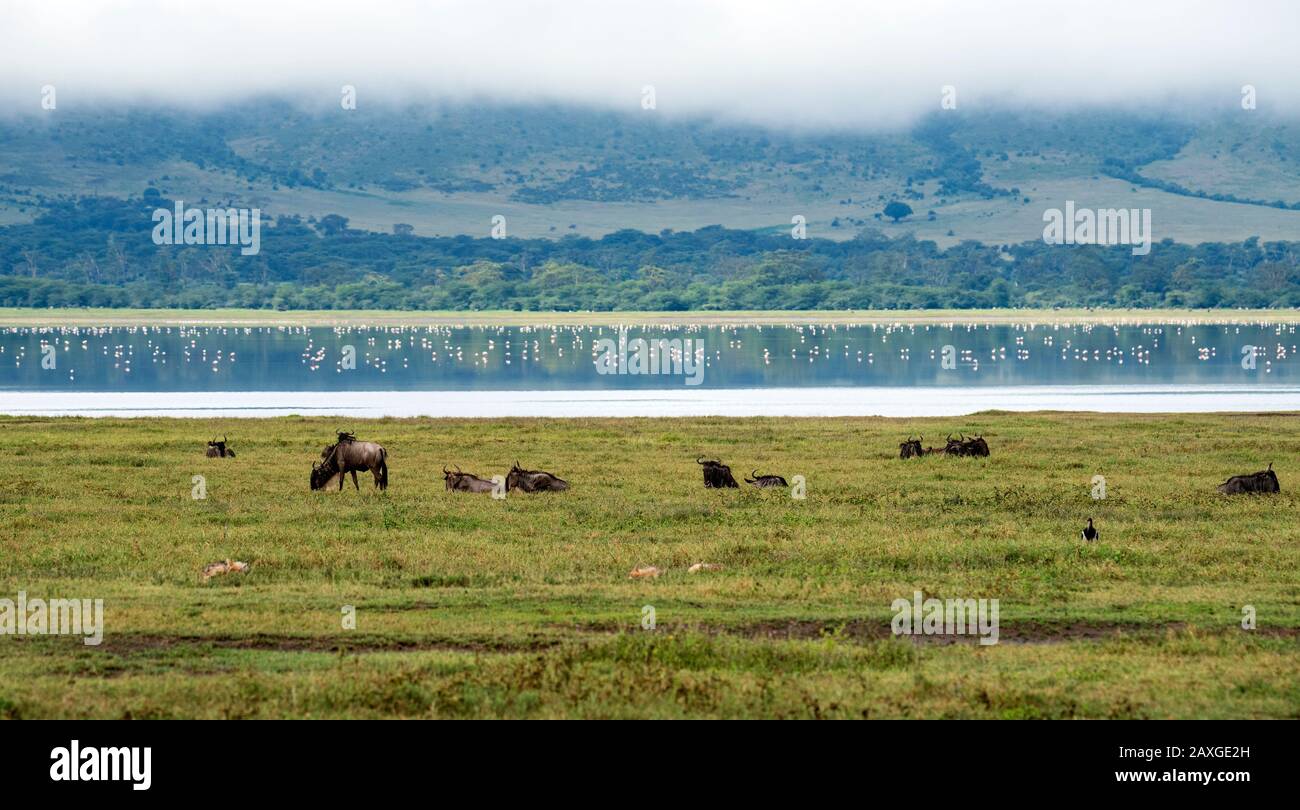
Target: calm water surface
899	369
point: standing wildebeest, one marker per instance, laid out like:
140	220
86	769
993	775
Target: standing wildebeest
534	480
218	449
348	455
1262	481
911	448
465	482
766	481
716	474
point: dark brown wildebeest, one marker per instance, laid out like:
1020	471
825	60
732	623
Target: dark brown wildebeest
1262	481
218	449
716	474
534	480
465	482
963	446
911	448
766	481
348	455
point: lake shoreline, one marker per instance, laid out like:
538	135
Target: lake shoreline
49	317
888	402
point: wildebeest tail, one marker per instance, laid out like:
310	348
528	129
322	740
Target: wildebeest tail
383	468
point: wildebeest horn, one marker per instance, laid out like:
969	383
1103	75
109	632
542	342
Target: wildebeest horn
444	470
457	466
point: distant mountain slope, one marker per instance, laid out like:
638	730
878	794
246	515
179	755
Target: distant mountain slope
554	171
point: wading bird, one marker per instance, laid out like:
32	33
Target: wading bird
1089	534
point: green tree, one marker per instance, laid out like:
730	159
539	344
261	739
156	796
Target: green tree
332	224
897	210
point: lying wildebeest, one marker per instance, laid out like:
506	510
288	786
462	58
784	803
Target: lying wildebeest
1262	481
716	474
766	481
218	449
534	480
348	455
911	448
465	482
963	446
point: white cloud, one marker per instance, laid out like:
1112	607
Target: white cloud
820	62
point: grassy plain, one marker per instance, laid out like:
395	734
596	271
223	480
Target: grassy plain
473	607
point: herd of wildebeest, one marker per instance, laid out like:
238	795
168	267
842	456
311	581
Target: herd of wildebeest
347	456
961	446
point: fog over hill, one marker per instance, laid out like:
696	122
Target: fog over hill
825	63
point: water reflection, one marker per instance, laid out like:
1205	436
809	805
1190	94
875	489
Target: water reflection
563	357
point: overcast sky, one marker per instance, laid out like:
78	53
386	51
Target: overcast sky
803	62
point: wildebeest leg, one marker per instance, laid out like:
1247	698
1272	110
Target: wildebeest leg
354	481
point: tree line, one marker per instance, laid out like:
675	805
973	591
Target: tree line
99	252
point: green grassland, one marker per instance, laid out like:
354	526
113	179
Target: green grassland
1251	162
759	205
472	607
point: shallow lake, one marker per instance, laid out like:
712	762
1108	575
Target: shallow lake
899	369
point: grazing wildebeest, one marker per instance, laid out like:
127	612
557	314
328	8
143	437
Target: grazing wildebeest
218	449
766	481
534	480
911	448
348	455
1262	481
716	474
465	482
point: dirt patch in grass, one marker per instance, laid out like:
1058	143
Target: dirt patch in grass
1008	633
127	644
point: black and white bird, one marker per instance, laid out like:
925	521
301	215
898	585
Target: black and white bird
1089	534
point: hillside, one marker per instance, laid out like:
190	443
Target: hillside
553	171
392	209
